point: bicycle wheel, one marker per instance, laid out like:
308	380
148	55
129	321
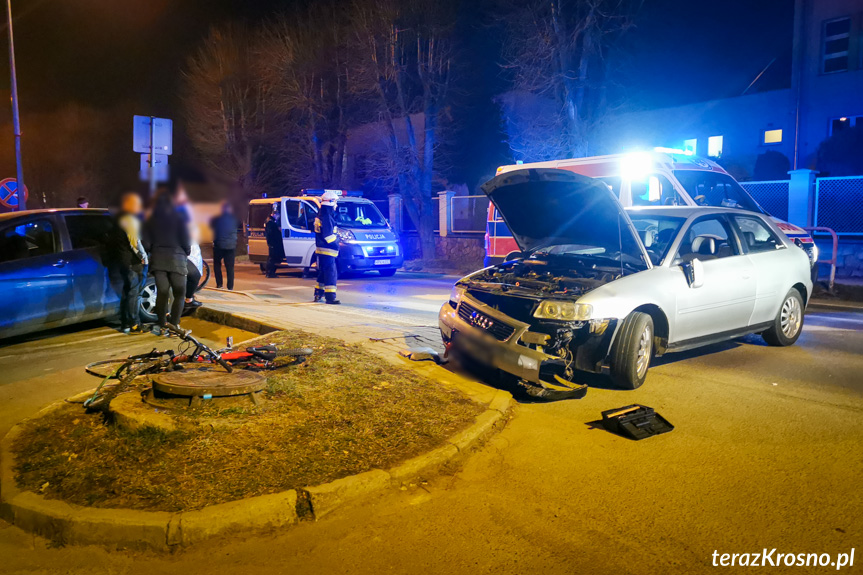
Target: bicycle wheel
294	352
101	402
107	368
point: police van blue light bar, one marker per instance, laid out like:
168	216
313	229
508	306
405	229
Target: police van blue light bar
340	193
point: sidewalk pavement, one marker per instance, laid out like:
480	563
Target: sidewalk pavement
347	322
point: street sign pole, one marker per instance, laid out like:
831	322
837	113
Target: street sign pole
152	156
16	121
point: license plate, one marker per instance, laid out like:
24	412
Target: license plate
382	262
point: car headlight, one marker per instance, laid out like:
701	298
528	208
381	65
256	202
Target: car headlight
455	296
813	255
563	310
347	236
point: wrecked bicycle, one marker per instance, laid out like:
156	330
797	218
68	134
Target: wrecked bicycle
189	352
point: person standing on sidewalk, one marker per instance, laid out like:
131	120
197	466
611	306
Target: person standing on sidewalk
166	239
132	261
276	248
224	228
327	249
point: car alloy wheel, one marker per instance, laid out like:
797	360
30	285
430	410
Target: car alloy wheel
645	343
790	317
148	299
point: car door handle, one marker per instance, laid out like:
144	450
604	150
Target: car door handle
59	263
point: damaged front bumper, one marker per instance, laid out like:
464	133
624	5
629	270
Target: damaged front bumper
499	341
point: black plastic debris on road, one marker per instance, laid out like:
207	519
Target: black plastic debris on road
635	422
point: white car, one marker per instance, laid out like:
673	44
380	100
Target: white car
600	287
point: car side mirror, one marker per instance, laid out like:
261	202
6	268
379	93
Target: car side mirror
694	272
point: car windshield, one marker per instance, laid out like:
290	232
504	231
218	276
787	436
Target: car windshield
657	233
359	215
715	189
597	255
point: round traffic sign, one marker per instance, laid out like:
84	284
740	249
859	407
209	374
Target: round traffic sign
9	193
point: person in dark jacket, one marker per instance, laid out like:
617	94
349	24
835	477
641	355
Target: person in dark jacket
224	228
193	274
131	260
166	240
327	249
276	249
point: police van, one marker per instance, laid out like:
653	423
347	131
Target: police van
366	240
663	177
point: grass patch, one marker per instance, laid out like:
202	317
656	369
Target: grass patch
342	412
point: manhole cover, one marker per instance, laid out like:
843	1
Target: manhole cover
209	383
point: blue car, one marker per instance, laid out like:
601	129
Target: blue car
54	270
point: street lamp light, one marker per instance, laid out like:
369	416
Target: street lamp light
16	121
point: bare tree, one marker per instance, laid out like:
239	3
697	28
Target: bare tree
227	111
555	53
303	62
402	58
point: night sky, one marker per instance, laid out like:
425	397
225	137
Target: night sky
110	52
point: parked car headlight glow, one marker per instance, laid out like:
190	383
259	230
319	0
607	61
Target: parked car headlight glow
813	255
563	310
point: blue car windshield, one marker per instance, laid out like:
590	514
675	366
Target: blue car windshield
715	189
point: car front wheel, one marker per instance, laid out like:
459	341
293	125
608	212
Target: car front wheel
788	323
148	300
632	351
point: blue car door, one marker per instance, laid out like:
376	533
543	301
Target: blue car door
35	278
96	285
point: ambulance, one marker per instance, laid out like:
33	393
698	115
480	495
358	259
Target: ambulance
366	240
663	177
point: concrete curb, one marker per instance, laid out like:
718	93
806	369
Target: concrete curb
159	530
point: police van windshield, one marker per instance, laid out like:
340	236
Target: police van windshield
359	215
715	189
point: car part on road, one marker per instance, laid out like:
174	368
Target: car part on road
423	354
555	393
635	422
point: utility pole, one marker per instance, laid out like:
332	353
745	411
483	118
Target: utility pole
16	120
152	157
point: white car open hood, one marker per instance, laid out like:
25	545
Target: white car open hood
547	207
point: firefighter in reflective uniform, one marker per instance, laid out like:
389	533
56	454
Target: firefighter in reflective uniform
326	249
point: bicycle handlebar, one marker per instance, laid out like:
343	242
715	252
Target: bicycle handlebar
186	335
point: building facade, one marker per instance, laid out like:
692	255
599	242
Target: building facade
826	95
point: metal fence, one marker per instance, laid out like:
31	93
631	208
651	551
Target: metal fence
839	204
468	214
772	195
408	224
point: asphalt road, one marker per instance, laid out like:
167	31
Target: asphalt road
766	453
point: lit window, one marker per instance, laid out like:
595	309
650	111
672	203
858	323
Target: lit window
714	146
773	136
839	124
691	145
836	36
